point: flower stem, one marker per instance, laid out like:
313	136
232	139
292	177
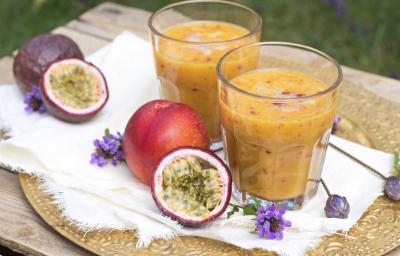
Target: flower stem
326	187
235	205
358	161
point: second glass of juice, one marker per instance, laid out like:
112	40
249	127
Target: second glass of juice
277	118
188	39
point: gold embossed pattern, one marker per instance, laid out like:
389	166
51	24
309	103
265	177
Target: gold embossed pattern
120	242
368	119
376	233
374	116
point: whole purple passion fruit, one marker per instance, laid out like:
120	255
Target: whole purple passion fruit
34	57
191	185
73	90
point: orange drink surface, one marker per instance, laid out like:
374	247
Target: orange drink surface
186	62
275	147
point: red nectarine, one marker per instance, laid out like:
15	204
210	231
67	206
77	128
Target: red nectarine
156	128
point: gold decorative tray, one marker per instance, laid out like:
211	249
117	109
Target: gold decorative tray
366	118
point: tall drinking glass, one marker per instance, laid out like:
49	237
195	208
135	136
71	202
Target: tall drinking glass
277	118
188	39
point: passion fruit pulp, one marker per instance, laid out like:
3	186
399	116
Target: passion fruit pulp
74	90
33	58
192	186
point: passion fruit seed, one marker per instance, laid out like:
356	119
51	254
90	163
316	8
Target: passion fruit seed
191	187
74	90
74	86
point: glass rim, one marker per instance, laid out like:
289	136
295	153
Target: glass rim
330	88
161	34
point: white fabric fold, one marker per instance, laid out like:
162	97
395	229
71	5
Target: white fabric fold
112	198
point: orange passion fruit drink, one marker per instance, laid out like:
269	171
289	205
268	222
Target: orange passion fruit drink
188	39
277	118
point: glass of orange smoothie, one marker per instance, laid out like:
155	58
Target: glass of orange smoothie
276	119
188	39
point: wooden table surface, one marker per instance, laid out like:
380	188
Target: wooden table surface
21	229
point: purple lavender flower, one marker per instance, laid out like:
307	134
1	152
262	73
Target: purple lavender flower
270	222
110	147
99	160
33	101
336	121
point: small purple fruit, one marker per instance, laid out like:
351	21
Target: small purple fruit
337	207
392	188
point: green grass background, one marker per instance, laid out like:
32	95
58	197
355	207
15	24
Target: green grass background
366	37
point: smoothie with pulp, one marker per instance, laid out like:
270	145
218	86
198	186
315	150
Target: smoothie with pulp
275	144
186	65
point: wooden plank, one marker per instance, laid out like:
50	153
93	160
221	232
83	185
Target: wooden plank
385	87
6	76
115	18
87	43
90	30
22	230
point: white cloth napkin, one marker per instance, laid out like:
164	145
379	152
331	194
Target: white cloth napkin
112	198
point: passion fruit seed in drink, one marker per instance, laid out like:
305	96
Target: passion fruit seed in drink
190	187
75	86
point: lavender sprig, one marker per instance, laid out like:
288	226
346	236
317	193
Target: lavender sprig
33	101
270	222
109	148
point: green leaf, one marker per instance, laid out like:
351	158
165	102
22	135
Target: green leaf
250	209
258	202
107	132
234	209
396	164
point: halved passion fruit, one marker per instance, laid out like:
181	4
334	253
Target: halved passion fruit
74	90
191	185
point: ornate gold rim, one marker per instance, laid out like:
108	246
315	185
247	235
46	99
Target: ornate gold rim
376	233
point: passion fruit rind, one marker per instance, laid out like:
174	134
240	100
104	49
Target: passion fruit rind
74	90
192	186
34	56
